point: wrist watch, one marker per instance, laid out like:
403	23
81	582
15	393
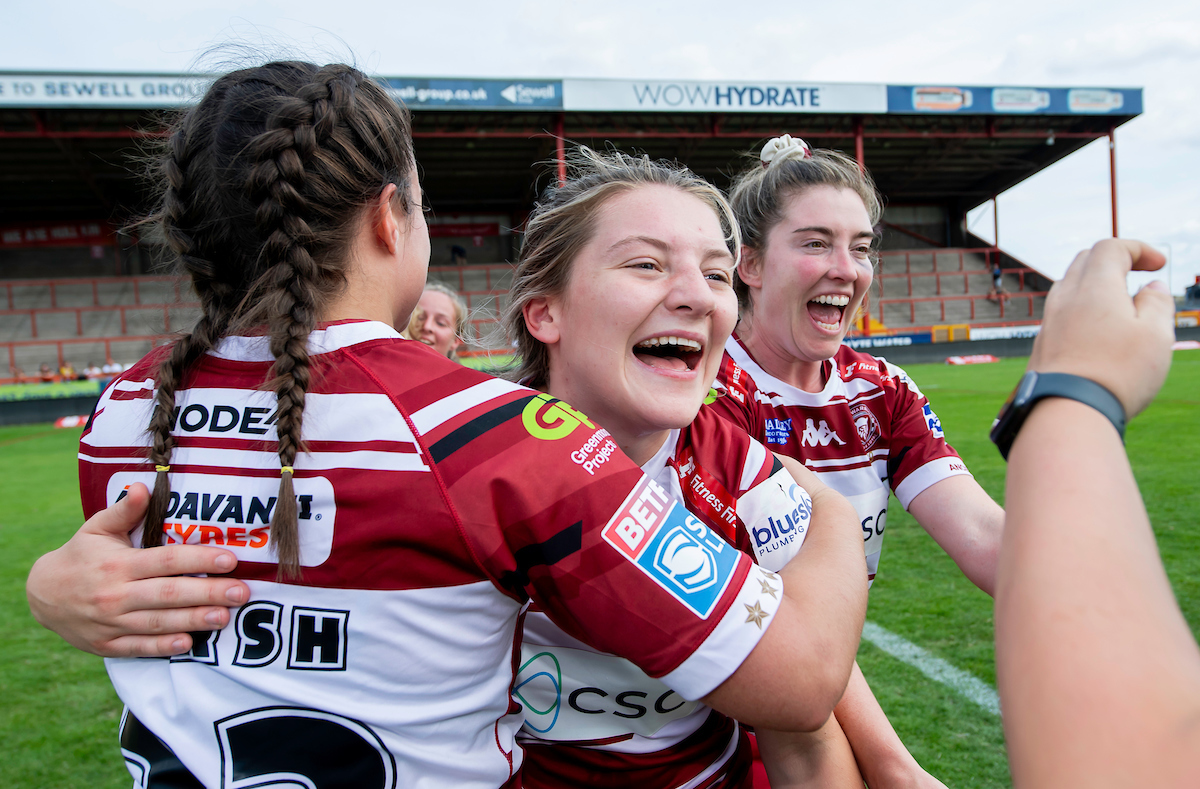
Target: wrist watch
1036	386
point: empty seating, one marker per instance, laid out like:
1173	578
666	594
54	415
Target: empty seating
914	290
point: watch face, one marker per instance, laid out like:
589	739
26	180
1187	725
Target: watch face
1012	413
1025	387
1019	394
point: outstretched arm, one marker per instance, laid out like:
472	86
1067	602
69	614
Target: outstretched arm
106	597
1098	672
964	520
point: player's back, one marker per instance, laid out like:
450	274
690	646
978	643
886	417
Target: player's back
394	623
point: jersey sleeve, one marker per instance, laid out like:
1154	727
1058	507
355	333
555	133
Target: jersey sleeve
770	514
732	398
919	454
553	511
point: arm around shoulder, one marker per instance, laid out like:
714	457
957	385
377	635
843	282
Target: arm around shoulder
106	597
796	674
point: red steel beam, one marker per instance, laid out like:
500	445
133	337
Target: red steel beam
1112	173
858	144
752	134
559	151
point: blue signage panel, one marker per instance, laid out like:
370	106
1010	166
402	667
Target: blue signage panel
475	94
957	100
888	340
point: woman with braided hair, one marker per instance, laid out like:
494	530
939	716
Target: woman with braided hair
392	514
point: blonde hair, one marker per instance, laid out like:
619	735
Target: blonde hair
460	315
760	193
563	222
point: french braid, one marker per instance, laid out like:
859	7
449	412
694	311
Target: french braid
263	183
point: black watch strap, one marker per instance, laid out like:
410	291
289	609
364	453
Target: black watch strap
1038	386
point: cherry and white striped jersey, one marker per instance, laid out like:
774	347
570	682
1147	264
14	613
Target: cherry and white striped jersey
593	719
434	504
868	432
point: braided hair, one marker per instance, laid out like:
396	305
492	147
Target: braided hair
262	183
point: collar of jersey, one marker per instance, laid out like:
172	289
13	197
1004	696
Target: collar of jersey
326	338
652	467
768	384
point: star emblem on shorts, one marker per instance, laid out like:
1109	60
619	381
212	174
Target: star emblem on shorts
768	589
756	614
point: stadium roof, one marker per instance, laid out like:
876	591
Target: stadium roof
67	141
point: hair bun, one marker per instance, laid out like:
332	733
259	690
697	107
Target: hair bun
782	148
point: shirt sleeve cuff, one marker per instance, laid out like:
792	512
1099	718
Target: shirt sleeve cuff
732	640
925	476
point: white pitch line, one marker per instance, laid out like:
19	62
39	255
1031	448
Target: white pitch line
970	687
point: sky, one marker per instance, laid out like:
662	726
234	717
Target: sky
1153	44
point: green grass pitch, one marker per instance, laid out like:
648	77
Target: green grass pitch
58	714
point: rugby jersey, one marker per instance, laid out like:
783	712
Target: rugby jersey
594	719
868	432
434	504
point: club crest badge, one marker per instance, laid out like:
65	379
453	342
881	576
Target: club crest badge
865	424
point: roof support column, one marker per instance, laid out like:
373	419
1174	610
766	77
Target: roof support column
995	222
559	150
858	144
1112	173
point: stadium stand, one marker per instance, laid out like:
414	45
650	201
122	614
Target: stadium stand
75	286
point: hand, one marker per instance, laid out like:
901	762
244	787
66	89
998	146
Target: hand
106	597
1093	329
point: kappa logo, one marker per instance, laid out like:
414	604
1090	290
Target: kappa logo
819	436
550	419
677	551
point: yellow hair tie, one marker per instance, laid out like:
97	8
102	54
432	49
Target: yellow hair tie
286	470
162	469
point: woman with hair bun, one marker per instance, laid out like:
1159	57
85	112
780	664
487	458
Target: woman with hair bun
392	514
858	422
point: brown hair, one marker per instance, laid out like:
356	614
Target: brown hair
760	193
562	223
262	186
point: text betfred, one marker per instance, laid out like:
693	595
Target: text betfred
235	512
677	551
